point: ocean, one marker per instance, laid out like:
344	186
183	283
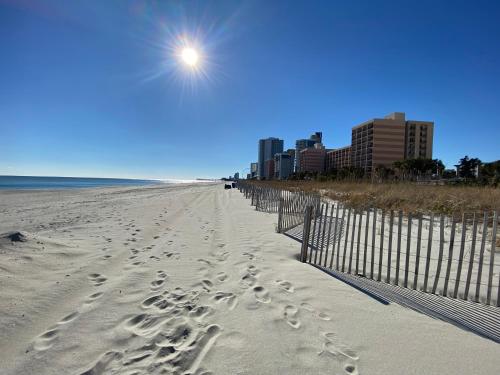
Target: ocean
31	182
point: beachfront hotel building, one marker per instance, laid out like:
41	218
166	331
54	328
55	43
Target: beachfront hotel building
338	158
253	170
267	149
392	138
283	165
419	139
302	144
313	159
269	169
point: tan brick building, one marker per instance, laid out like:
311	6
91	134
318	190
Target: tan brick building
313	159
384	141
419	138
338	158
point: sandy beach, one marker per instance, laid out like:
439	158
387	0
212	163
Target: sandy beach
189	279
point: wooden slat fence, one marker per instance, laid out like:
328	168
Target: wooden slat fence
289	205
450	256
454	258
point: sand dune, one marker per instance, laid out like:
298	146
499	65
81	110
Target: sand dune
190	279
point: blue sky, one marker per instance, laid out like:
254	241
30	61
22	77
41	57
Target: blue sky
93	88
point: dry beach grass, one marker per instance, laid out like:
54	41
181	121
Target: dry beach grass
408	197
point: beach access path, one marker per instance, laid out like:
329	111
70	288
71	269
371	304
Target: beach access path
189	279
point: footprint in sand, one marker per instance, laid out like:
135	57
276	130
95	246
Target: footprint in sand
307	306
207	262
250	256
145	324
247	281
222	276
334	346
221	257
157	301
156	284
319	314
207	285
97	279
252	270
261	294
46	340
290	315
69	318
323	316
90	299
169	254
228	298
201	312
285	285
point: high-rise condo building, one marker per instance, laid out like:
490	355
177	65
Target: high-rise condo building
302	144
253	170
269	169
283	165
267	149
384	141
338	158
313	159
419	138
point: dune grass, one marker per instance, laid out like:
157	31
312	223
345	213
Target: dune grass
408	197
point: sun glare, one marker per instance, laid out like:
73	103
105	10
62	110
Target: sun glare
190	56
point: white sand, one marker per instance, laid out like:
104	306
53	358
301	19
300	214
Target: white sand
190	279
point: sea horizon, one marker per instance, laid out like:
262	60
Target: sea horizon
15	182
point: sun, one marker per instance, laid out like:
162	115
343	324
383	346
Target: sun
190	56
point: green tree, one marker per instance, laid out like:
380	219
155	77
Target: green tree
467	167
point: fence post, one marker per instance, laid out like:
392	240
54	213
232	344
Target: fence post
417	256
280	214
346	238
335	234
450	256
329	233
323	234
389	249
374	230
471	256
428	255
315	215
358	241
317	234
352	241
408	249
381	251
338	242
461	256
398	249
492	256
365	250
481	255
440	255
305	234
